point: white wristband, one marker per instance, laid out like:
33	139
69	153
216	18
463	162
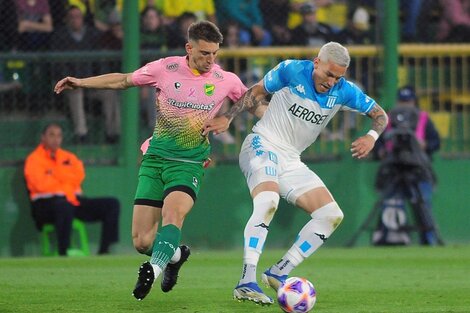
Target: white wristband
373	133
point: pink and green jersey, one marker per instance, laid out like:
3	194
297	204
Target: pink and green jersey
185	99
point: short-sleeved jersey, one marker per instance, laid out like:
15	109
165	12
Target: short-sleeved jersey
297	113
185	99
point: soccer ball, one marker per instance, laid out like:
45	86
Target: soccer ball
296	295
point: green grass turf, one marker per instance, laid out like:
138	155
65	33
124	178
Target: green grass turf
411	279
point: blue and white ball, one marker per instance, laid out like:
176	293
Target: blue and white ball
296	295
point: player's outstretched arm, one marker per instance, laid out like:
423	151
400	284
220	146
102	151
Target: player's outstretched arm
107	81
361	147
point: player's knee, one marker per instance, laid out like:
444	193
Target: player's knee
265	205
331	213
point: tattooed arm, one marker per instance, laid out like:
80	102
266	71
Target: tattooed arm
254	101
361	147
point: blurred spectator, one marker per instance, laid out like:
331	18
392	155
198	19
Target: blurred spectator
248	15
152	31
410	11
76	36
203	9
34	24
332	12
112	38
275	14
357	29
310	32
152	36
295	18
454	25
177	32
405	174
96	11
54	177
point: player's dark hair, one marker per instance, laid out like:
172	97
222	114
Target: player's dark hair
205	30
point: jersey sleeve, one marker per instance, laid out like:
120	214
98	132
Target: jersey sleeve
277	78
147	75
238	88
356	99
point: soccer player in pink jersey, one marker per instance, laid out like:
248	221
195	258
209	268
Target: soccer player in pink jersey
190	90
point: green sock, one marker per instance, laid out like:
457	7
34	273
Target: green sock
150	250
165	245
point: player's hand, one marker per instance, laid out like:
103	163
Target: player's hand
361	147
216	125
66	83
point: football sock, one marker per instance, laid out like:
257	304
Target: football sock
176	257
312	236
264	206
248	274
164	248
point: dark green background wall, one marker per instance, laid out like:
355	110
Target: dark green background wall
224	205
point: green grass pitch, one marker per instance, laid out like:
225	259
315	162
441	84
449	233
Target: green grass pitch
366	279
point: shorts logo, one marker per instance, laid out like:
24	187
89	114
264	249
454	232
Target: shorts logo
270	171
172	67
209	89
195	182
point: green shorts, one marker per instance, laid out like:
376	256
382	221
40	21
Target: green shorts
158	177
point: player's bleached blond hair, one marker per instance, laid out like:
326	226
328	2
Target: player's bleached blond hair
335	53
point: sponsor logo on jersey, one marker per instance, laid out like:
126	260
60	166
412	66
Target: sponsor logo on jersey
331	101
190	105
218	75
209	89
307	115
172	67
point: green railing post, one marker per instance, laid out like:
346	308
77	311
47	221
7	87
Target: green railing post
390	33
130	99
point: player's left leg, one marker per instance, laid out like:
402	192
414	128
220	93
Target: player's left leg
312	196
144	229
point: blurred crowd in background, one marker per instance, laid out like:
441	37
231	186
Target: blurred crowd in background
42	41
32	25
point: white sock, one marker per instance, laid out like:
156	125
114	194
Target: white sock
312	236
248	274
156	270
264	206
176	257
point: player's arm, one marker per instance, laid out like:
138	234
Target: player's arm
361	147
254	101
106	81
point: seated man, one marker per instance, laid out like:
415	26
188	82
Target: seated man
53	177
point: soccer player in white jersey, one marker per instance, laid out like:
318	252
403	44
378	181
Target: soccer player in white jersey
305	96
189	90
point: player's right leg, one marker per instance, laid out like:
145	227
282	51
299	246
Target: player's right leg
261	170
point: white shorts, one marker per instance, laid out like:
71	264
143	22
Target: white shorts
260	161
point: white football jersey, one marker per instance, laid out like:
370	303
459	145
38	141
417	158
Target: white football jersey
297	113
